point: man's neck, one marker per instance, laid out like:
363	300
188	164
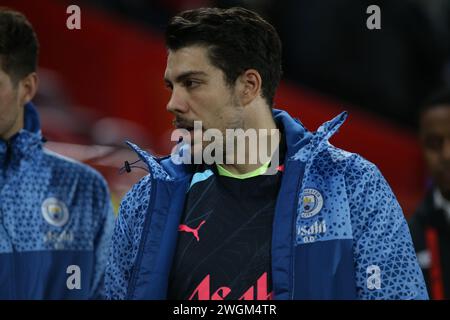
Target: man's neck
18	125
258	118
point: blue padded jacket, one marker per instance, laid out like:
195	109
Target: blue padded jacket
56	221
338	230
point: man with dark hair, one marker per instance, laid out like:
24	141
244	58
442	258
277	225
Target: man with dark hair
310	222
430	224
56	219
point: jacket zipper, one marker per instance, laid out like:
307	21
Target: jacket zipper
294	233
294	218
133	277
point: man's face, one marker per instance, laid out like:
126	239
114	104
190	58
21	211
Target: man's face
10	108
435	138
199	92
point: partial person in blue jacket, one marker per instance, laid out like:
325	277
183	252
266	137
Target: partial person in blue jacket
56	218
312	222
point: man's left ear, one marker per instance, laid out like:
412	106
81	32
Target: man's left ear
28	89
251	83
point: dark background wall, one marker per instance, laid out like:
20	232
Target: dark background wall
103	84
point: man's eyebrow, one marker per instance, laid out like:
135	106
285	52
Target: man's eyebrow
185	75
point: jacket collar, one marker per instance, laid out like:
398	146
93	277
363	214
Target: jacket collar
321	137
295	133
27	140
301	144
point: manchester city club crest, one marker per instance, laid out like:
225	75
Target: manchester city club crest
55	212
312	203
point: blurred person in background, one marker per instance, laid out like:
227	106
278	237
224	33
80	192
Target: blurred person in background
430	224
324	225
56	217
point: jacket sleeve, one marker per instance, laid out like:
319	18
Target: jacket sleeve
126	239
385	262
104	227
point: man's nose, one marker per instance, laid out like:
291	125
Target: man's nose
177	102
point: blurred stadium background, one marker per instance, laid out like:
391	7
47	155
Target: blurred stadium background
102	85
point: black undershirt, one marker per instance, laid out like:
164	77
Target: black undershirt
231	259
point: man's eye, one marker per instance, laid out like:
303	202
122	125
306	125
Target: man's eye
190	83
